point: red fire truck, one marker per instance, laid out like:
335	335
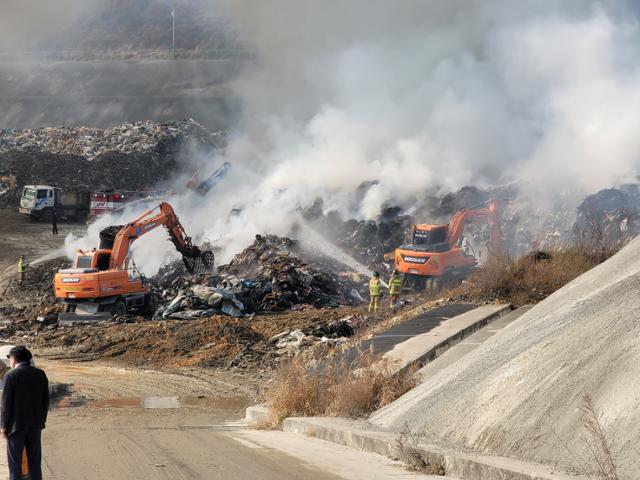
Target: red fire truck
110	201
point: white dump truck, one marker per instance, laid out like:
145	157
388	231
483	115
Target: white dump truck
39	201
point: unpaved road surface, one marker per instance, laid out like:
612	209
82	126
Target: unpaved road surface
21	236
144	425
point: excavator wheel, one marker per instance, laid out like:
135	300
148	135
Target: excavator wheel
151	305
120	308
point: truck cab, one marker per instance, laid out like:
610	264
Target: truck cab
38	201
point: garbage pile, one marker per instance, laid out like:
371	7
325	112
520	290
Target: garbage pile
268	276
368	241
88	143
36	297
609	218
130	156
365	240
331	334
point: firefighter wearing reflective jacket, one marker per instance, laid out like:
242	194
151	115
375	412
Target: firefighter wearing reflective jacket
22	269
375	292
395	288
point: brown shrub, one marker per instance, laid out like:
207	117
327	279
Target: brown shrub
528	279
335	388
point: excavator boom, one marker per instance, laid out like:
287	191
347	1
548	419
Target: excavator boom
194	259
464	217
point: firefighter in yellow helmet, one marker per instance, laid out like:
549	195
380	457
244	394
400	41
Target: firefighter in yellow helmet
22	269
395	288
375	292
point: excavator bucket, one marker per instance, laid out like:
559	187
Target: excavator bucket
199	264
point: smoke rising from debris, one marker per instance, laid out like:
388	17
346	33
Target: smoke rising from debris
430	96
418	97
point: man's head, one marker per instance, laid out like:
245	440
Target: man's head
19	354
376	274
396	272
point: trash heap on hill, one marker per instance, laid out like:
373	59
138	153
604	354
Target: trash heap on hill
90	142
267	276
609	218
131	156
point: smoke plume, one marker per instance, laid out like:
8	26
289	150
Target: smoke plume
431	96
420	97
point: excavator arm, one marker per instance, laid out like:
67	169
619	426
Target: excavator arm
461	219
195	260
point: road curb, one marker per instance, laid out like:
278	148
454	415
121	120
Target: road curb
256	413
467	466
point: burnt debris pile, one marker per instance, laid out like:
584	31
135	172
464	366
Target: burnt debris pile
267	276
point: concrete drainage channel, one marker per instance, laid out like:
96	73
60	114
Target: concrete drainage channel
416	350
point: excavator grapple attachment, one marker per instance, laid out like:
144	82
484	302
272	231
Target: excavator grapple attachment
199	264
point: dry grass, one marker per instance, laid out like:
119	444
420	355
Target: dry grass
598	443
334	388
408	451
530	278
600	463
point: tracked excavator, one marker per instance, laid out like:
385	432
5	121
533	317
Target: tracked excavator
437	256
104	281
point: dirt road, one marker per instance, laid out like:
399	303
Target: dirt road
21	236
143	425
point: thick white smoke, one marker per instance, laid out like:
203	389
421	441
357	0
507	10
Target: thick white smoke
431	96
422	97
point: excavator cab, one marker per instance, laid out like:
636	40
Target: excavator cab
93	259
430	238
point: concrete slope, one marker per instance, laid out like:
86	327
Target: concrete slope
520	393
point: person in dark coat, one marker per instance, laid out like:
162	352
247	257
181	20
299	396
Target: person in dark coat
25	404
54	221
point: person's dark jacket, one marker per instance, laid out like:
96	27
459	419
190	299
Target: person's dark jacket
25	399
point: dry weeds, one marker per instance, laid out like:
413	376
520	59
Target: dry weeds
600	463
598	443
408	451
326	386
530	278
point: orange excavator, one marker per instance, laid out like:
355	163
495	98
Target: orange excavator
436	254
105	281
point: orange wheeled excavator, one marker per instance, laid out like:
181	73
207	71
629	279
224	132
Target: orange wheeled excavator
105	281
436	254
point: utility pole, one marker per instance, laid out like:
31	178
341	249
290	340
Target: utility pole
173	49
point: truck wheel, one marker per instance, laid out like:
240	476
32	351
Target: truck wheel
120	308
69	308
